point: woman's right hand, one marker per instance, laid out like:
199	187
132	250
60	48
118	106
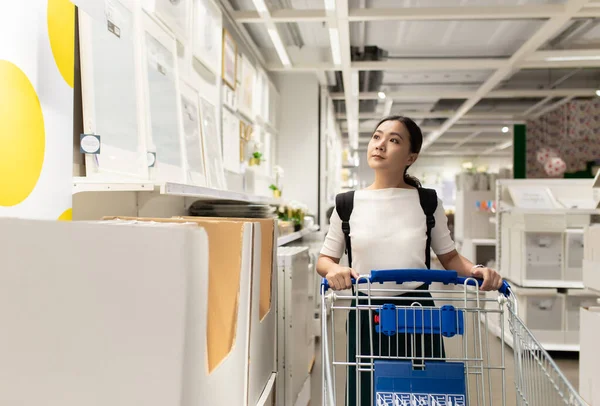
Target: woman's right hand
339	278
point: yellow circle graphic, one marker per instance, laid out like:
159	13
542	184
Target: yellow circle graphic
61	31
22	137
66	216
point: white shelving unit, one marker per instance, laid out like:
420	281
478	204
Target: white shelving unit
535	250
286	239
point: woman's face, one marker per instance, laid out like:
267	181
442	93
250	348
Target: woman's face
389	148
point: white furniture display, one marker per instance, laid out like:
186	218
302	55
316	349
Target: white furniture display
542	227
95	306
294	339
541	247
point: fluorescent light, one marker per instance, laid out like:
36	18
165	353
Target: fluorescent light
381	95
598	92
260	5
276	39
329	5
572	58
505	130
334	38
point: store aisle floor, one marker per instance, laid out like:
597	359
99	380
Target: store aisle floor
567	362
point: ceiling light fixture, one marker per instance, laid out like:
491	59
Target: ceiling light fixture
505	130
598	92
381	95
334	37
279	47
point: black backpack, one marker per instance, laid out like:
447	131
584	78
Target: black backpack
344	203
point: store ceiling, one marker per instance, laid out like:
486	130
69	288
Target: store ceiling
462	68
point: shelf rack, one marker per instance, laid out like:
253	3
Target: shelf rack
286	239
81	185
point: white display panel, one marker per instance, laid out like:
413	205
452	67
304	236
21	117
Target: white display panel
110	80
231	142
162	95
190	117
212	146
174	13
207	36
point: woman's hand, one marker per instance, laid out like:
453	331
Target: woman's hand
491	279
339	277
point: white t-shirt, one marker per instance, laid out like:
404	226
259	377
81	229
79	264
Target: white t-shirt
388	231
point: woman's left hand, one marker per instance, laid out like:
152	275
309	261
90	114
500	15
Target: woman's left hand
491	279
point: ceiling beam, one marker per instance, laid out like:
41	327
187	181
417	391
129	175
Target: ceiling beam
465	140
537	106
541	11
557	59
438	114
498	147
339	24
547	31
367	128
551	107
425	94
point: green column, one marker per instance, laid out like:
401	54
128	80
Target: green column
519	151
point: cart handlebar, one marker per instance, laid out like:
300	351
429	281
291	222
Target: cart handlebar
420	275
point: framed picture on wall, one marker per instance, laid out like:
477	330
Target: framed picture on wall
174	13
110	82
207	34
192	136
229	67
248	79
213	157
162	95
232	140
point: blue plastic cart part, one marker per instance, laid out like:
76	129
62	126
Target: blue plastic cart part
420	275
446	320
439	383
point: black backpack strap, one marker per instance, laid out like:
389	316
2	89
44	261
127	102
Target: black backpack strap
429	203
344	203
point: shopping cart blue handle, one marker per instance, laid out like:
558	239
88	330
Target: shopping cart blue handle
422	275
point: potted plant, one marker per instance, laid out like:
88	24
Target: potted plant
276	187
256	159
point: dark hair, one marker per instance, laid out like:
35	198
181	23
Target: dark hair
416	142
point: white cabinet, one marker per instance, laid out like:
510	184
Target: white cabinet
295	346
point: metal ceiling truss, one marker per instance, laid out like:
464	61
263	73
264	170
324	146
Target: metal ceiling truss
338	17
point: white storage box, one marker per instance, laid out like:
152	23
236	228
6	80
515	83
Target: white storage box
295	341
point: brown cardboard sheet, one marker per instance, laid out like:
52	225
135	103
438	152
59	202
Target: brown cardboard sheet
267	227
225	241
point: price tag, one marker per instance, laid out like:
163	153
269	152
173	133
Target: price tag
89	144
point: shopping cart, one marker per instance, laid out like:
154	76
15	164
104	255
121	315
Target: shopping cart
417	353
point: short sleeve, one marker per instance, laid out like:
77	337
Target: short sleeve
441	241
335	243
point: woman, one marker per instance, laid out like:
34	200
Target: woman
388	231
